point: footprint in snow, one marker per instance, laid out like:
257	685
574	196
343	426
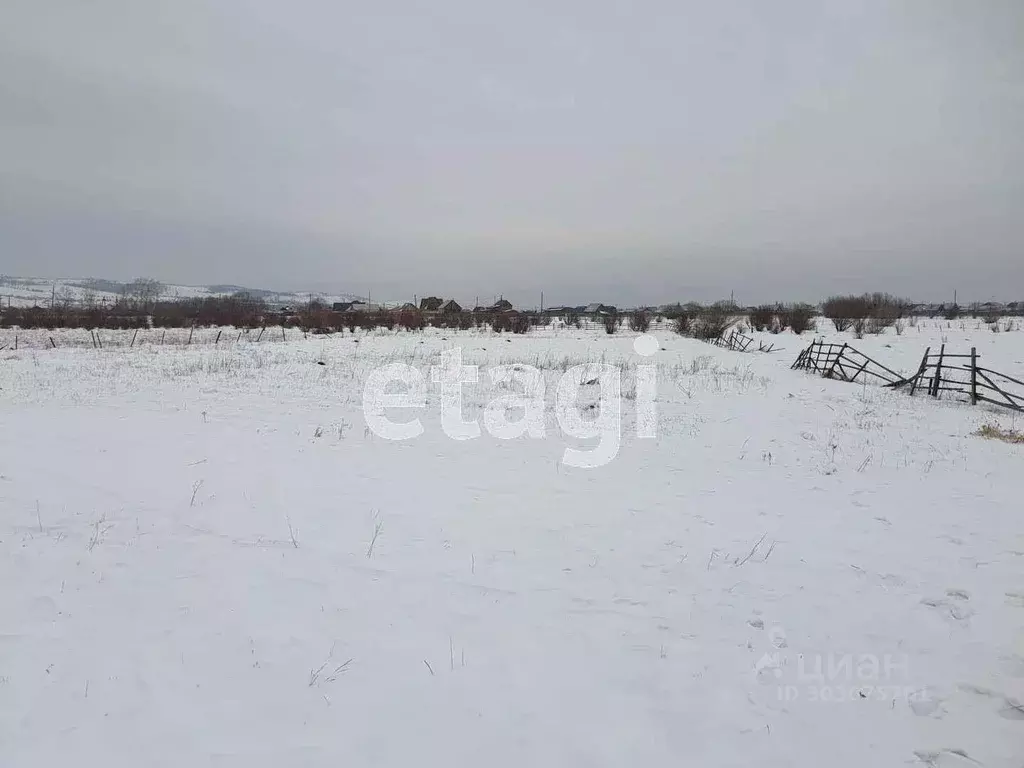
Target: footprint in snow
926	703
946	758
1015	599
892	580
947	608
1007	707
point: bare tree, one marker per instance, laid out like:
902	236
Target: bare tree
144	290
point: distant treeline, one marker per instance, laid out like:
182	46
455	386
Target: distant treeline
246	311
242	311
861	313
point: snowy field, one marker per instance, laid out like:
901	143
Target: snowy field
207	557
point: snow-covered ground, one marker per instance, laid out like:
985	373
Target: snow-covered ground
207	557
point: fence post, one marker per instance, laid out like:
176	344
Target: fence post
835	362
938	372
921	370
217	340
133	338
190	332
974	376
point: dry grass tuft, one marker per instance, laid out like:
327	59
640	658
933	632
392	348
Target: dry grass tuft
995	432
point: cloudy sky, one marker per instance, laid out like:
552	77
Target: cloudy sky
622	150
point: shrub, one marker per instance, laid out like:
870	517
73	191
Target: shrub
885	305
512	322
411	320
845	311
611	324
682	322
859	326
712	322
572	318
520	323
385	319
639	321
883	317
874	326
801	318
762	317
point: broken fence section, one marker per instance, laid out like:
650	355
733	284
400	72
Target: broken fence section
940	372
843	362
960	374
740	342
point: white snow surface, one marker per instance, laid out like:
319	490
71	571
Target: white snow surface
206	558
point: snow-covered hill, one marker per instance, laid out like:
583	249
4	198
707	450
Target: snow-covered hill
37	291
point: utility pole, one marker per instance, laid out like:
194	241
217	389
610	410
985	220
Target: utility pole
542	301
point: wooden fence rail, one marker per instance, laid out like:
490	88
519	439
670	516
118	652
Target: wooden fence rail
974	382
939	372
843	362
740	342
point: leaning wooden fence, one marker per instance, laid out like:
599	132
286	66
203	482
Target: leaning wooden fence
843	362
739	342
945	372
940	372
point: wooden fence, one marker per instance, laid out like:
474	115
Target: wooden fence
939	372
739	342
843	362
103	338
960	374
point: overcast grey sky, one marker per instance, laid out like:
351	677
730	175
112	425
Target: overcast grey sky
624	151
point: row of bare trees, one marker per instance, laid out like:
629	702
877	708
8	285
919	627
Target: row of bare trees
871	312
142	311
